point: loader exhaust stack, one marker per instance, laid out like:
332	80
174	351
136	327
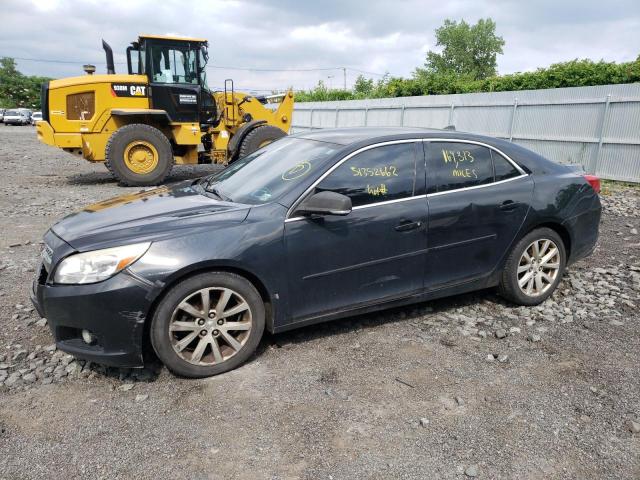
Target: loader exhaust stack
111	69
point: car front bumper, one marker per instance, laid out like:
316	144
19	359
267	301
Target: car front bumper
114	310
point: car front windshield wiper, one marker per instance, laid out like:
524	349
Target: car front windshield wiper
216	192
208	185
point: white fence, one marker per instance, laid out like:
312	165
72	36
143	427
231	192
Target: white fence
598	127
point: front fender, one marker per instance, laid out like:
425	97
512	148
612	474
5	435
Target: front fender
248	248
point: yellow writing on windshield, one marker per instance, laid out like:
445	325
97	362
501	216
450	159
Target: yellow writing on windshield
464	172
384	171
297	171
377	190
457	157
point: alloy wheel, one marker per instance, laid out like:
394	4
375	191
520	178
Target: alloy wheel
210	326
538	267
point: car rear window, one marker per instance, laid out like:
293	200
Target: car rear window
503	168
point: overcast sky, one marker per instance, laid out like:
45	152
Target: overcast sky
369	35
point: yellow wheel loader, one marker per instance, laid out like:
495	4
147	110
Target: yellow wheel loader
159	114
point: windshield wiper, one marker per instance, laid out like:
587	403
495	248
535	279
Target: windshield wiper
211	189
204	181
216	192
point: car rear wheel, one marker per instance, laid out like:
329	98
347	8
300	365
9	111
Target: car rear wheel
534	268
208	324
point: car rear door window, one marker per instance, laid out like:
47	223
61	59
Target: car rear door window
503	168
455	165
376	175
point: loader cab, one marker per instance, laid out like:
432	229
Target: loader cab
175	68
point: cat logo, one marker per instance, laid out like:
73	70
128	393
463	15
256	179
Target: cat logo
137	90
128	90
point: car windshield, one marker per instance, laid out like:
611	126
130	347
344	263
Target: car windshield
270	172
12	112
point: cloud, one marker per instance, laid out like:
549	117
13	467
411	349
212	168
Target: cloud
374	36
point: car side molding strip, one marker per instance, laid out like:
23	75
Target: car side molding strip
364	264
463	242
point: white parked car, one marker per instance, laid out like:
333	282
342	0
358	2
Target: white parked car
35	117
16	117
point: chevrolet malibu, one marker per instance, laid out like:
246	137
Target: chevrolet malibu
313	227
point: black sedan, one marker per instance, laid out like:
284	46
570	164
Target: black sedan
312	227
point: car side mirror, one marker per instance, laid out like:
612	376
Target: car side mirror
325	203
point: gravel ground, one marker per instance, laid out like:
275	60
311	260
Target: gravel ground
468	386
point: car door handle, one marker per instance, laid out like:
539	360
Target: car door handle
406	225
509	205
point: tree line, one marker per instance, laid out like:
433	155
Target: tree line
18	90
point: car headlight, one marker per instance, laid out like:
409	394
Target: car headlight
98	265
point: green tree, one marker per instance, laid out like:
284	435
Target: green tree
467	50
323	94
363	87
16	89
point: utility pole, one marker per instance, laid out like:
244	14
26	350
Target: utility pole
344	73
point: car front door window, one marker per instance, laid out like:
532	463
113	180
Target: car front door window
376	175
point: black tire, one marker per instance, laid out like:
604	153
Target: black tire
115	151
161	338
259	137
509	286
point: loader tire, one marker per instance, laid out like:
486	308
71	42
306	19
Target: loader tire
139	155
259	137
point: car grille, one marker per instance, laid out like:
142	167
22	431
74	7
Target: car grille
45	265
42	274
47	255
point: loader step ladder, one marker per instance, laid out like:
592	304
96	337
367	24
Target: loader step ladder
229	102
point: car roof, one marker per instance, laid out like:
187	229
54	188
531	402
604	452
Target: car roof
367	135
350	135
357	137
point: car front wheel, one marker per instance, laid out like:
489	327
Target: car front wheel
534	267
208	324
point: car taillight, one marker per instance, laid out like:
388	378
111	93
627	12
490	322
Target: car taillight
593	181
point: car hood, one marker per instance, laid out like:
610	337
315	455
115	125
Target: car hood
147	215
